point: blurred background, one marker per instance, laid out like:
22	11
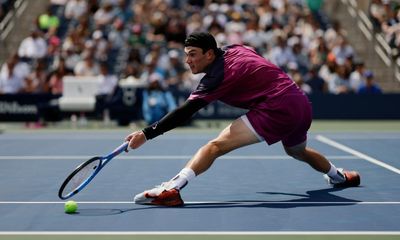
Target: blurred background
121	62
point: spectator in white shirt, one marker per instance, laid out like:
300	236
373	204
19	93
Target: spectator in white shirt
12	75
75	9
342	50
33	47
281	54
357	76
104	15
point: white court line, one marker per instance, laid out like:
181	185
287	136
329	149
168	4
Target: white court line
208	202
244	233
356	153
248	157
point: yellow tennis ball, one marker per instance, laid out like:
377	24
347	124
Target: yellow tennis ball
70	207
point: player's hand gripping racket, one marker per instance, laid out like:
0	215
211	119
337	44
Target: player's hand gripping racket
85	172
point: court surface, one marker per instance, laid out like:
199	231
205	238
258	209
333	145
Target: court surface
255	192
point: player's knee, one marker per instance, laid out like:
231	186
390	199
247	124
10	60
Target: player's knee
298	151
295	153
216	148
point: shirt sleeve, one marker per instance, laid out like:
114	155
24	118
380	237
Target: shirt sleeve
175	118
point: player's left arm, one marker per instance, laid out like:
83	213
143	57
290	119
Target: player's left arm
173	119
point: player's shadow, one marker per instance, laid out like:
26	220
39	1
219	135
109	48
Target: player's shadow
314	198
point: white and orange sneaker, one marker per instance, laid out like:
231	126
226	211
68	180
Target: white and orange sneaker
351	179
162	195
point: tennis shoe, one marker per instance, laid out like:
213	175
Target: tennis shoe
162	195
351	179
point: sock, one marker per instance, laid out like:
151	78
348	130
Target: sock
334	174
182	179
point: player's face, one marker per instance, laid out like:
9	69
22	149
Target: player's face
197	60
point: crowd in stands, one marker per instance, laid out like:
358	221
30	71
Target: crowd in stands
131	40
385	16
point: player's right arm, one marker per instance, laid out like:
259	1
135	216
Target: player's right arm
173	119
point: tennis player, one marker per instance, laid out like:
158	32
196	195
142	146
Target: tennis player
277	111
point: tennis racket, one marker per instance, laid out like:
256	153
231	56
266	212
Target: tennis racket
85	173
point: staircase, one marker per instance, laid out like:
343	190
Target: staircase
369	46
17	25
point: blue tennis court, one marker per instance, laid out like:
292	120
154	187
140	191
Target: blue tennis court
253	190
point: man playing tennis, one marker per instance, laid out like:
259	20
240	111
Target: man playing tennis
238	76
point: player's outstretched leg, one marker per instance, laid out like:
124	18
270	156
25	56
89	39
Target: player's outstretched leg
234	136
336	177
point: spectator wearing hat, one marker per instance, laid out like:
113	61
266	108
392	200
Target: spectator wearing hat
370	87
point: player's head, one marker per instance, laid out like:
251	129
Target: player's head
201	49
203	40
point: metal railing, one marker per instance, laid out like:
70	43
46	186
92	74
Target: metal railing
7	24
381	47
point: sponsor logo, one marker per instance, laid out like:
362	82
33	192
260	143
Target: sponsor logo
16	108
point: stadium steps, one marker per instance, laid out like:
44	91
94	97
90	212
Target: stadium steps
352	17
23	21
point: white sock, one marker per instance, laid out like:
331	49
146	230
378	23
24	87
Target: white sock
333	173
183	177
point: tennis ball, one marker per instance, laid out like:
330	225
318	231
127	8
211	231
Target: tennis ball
70	207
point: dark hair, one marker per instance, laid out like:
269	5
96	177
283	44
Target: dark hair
203	40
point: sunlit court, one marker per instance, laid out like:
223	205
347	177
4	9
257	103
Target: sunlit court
200	119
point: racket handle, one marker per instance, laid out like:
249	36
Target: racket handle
122	148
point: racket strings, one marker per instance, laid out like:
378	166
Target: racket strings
81	176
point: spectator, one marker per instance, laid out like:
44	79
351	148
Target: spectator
57	6
123	11
376	13
12	75
370	87
357	76
48	20
339	84
87	66
54	79
281	54
104	16
108	81
118	36
342	50
391	28
318	50
35	82
99	46
156	100
302	60
33	47
74	9
317	84
175	70
328	69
